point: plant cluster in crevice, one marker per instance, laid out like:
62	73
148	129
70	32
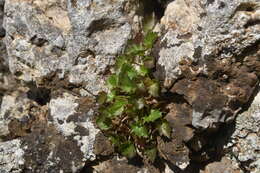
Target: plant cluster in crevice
131	113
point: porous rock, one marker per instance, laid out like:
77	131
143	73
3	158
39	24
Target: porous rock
11	156
77	40
245	141
201	29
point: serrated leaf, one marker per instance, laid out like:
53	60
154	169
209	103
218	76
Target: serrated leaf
154	115
128	150
139	130
112	81
132	73
125	82
135	50
117	108
111	95
102	97
151	154
165	129
143	71
103	123
114	140
149	39
120	61
154	89
127	85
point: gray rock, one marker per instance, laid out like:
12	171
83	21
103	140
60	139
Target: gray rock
40	45
245	141
15	108
72	123
11	156
200	30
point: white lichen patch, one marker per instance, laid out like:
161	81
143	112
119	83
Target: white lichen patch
61	111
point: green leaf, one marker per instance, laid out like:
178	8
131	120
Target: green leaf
139	130
135	50
165	129
150	39
103	123
102	97
117	108
114	140
111	95
125	82
154	115
112	81
151	154
127	85
132	73
143	71
128	150
120	61
154	89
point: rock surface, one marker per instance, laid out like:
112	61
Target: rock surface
11	157
55	56
245	141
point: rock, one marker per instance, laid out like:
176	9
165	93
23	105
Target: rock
75	122
116	165
201	30
245	141
80	48
46	150
175	150
11	157
2	30
102	145
18	114
223	166
59	54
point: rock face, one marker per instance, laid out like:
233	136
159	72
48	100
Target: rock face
11	157
73	40
245	142
56	55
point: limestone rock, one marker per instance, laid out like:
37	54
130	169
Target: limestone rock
18	114
223	166
200	30
68	118
11	157
245	141
79	48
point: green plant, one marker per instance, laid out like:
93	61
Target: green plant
130	114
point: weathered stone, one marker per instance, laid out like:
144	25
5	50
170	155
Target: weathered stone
117	165
223	166
245	141
18	114
82	46
102	146
46	150
74	124
200	30
11	157
207	56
